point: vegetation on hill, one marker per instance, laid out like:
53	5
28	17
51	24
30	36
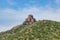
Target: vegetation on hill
40	30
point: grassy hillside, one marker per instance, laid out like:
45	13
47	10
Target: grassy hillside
41	30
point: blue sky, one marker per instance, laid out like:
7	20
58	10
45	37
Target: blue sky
13	12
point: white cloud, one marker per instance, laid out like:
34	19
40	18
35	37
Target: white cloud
48	13
39	13
2	29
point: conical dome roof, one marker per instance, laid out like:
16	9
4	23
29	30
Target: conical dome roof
30	15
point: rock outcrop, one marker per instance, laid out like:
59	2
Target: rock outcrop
29	20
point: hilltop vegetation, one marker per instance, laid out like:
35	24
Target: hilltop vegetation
40	30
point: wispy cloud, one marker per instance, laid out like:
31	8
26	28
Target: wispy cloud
57	2
38	12
11	2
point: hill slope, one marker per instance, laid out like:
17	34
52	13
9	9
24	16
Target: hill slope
41	30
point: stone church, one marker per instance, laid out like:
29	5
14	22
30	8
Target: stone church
29	20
